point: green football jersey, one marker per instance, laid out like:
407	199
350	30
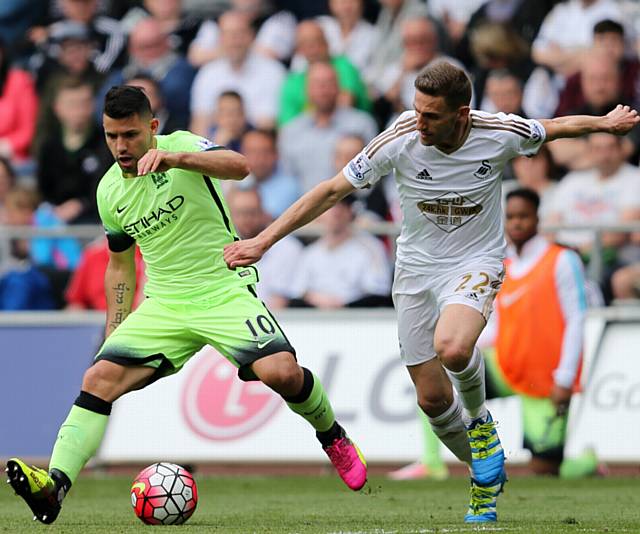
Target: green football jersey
180	221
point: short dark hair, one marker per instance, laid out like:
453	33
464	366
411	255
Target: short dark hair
609	26
502	74
70	82
529	195
441	78
231	94
122	101
141	75
267	133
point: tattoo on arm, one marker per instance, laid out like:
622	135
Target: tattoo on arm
120	292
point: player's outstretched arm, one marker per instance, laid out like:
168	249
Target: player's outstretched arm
303	211
119	286
224	164
618	121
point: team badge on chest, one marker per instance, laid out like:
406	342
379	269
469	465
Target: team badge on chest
484	170
159	179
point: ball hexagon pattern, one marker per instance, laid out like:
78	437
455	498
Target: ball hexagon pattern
164	494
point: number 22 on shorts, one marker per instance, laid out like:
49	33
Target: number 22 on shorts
473	282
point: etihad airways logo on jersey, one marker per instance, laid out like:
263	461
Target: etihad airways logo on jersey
157	219
449	211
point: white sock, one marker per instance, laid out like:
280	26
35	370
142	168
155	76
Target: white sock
449	427
469	383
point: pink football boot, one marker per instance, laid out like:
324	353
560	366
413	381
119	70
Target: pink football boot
348	461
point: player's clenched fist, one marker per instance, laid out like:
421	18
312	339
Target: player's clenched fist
244	252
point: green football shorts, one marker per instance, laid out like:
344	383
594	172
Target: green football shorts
544	430
164	336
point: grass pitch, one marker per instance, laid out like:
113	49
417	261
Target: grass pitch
243	504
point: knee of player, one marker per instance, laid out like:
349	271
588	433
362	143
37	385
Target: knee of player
433	402
453	353
101	379
286	376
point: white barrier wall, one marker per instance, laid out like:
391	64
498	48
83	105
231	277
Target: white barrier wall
607	415
206	413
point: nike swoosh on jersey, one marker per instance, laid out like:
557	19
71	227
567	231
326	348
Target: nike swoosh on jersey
121	209
262	345
509	299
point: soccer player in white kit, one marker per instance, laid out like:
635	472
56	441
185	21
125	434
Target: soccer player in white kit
448	162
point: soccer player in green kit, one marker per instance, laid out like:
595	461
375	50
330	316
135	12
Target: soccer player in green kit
163	193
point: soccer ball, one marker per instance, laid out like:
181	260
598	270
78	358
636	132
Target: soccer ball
164	494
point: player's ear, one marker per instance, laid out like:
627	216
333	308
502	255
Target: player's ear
463	112
154	124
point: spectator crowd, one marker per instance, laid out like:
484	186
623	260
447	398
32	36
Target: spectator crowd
300	88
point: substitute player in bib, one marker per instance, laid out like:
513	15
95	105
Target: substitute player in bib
163	193
448	162
544	285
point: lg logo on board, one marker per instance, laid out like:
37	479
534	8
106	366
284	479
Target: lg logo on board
218	406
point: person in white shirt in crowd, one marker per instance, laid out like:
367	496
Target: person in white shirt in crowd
255	77
607	193
278	267
275	37
347	32
560	47
277	189
344	267
307	142
567	33
454	15
448	162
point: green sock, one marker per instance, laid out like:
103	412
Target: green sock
312	403
431	453
583	466
78	440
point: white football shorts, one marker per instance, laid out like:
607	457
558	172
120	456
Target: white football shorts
419	299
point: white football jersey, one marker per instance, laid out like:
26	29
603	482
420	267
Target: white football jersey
451	203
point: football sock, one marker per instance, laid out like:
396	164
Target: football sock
79	436
469	384
312	403
63	484
431	454
448	426
327	438
583	466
